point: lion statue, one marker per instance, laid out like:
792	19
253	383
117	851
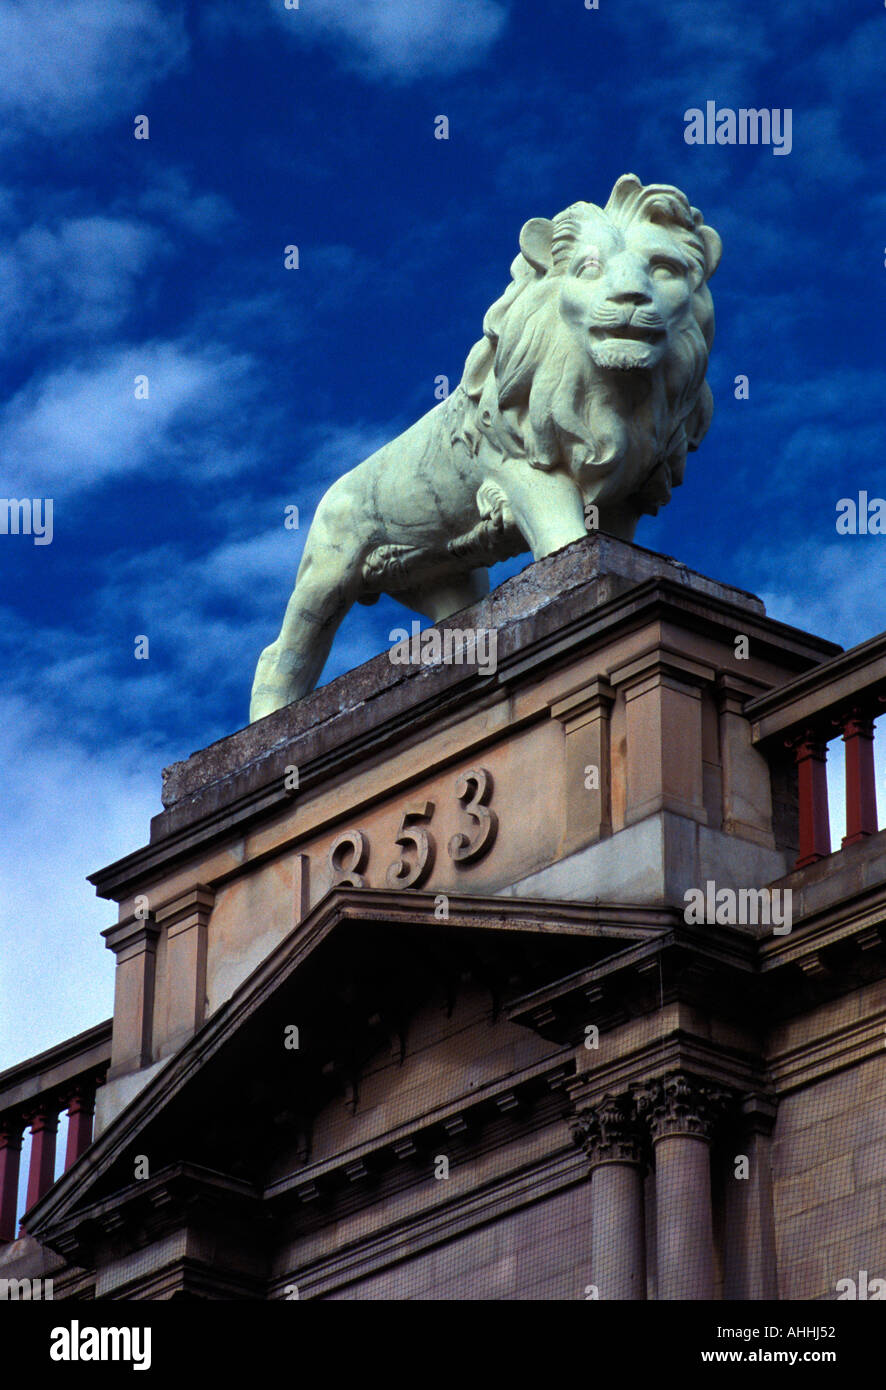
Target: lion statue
580	401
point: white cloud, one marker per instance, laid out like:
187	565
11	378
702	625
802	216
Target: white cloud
401	39
82	425
76	278
835	590
66	812
171	197
84	63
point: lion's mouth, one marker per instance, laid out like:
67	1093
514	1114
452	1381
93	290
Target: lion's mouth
633	332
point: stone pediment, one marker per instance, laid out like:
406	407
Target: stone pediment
350	977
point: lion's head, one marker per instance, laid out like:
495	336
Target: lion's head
594	358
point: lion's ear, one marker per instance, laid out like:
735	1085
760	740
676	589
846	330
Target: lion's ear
535	243
713	250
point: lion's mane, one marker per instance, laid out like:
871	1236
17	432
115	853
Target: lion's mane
536	395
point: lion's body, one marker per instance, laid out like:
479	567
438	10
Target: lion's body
587	387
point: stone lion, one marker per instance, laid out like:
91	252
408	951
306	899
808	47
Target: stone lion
585	392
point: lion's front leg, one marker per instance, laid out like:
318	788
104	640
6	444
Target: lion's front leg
329	580
290	667
547	507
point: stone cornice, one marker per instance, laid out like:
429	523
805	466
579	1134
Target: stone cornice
89	1051
518	1099
456	1217
851	678
673	1049
794	1065
157	1204
674	959
726	971
169	1199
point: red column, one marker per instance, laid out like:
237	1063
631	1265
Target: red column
815	830
81	1107
41	1173
861	790
10	1158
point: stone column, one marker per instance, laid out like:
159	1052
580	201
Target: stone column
10	1159
612	1141
681	1113
81	1108
41	1172
861	786
750	1263
811	752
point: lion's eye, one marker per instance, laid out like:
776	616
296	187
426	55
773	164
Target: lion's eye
662	268
588	266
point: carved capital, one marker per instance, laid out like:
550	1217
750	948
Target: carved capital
809	745
78	1098
679	1104
42	1116
609	1132
12	1127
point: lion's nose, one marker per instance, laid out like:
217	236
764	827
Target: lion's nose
630	297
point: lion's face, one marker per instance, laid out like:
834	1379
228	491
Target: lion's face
593	360
624	291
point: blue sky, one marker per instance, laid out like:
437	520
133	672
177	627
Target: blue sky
164	257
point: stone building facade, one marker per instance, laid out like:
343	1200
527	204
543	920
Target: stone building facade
410	1003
